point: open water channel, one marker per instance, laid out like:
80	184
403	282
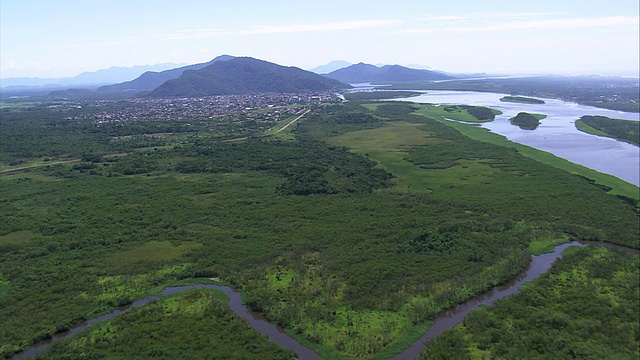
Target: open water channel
539	265
557	133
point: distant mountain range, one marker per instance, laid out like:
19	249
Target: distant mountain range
151	80
362	73
223	75
244	75
105	76
332	66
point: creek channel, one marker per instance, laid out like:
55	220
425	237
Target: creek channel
539	265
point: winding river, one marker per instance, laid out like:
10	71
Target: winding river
539	265
557	133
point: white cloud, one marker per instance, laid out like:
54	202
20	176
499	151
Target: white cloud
203	34
608	23
195	34
487	15
554	24
297	28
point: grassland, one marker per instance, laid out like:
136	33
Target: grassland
617	186
546	244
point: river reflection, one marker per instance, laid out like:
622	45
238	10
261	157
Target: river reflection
557	133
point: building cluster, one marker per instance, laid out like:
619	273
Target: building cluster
267	107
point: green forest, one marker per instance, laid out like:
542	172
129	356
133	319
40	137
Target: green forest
351	229
195	325
586	307
527	121
624	130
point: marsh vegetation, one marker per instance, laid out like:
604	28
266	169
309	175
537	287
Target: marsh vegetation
369	220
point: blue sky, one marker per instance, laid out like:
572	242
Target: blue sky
56	38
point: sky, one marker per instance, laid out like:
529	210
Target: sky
60	38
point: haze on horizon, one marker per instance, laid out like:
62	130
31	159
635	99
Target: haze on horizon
50	39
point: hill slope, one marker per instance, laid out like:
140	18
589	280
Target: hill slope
151	80
361	72
244	75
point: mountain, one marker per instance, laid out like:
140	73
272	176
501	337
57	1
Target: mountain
151	80
332	66
105	76
360	73
244	75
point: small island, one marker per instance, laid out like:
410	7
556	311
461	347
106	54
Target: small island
478	113
623	130
522	100
527	121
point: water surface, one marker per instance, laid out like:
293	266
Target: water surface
557	133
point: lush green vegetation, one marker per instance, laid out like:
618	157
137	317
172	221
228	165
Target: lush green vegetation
612	184
521	99
624	130
547	244
379	95
369	221
586	307
527	121
478	113
192	325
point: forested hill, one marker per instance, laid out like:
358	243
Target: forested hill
362	72
151	80
244	75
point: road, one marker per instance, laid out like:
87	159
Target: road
27	168
292	121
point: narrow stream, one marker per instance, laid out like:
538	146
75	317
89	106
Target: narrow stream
258	322
539	265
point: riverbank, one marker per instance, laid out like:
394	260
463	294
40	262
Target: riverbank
585	307
617	185
539	265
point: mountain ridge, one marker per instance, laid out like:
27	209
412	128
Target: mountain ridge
112	75
244	75
361	73
150	80
331	66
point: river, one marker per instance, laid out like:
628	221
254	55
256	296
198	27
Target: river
539	265
557	133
